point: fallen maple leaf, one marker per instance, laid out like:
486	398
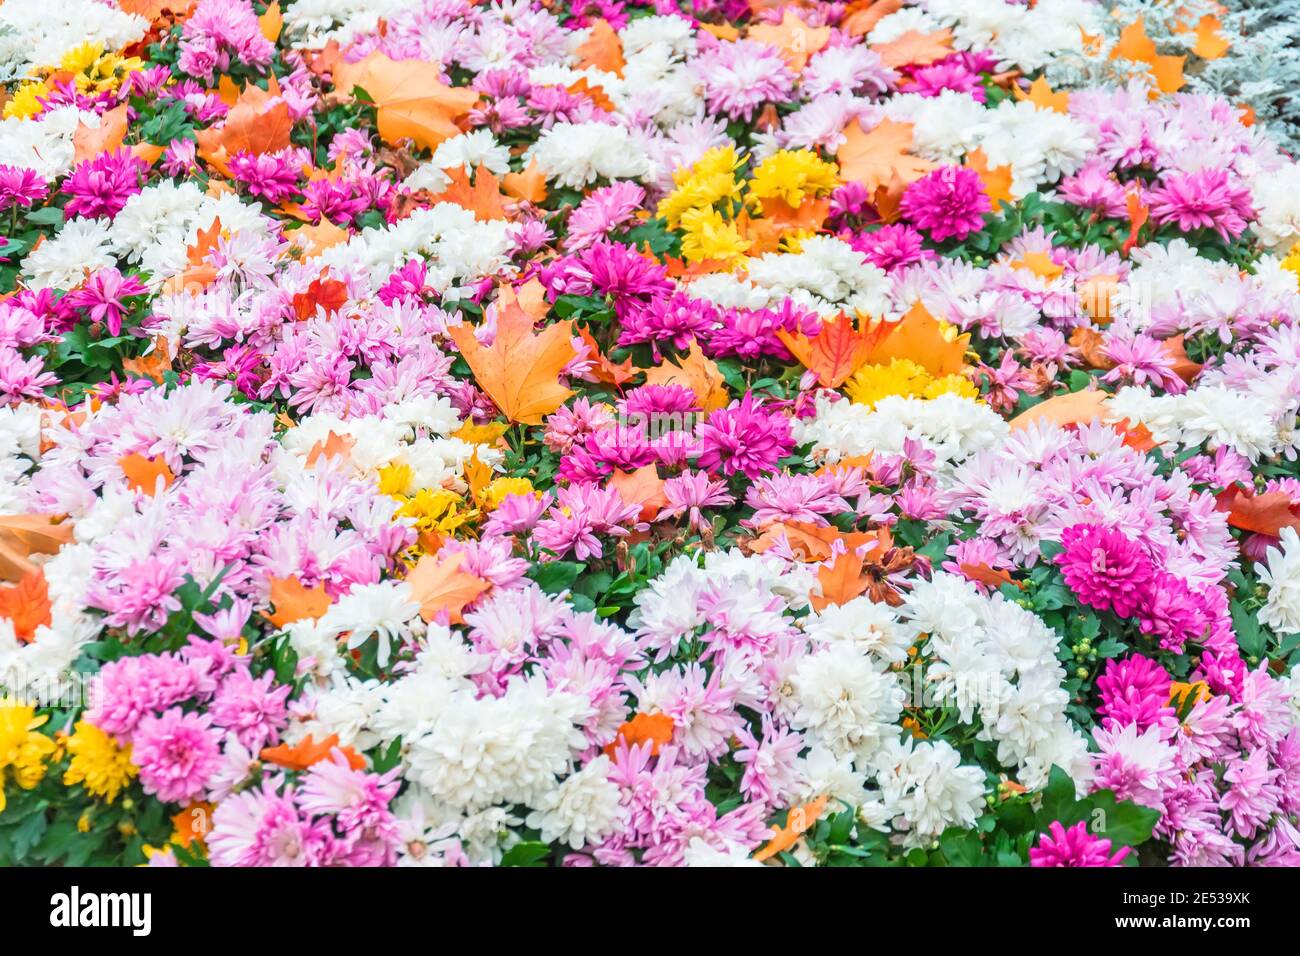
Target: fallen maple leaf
520	369
259	122
1209	44
441	588
483	198
996	180
697	372
602	50
1265	514
323	293
1138	212
655	729
1042	96
27	605
797	822
642	487
792	37
153	10
1072	408
1040	264
1135	45
529	186
307	752
271	22
807	542
839	348
410	99
143	474
1183	366
605	370
87	143
334	446
154	365
22	535
294	601
918	336
861	16
873	158
841	580
313	240
915	48
984	574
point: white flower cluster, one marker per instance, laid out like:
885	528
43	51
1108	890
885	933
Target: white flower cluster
44	144
38	34
1281	573
574	155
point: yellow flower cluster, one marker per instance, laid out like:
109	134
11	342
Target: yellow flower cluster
98	762
708	199
23	750
87	65
442	510
901	376
1292	261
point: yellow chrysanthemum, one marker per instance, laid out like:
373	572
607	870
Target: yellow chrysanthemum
22	749
82	58
501	488
396	480
436	509
792	242
1292	261
26	102
98	762
793	175
871	383
710	181
954	384
706	235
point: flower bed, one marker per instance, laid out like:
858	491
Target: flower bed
649	433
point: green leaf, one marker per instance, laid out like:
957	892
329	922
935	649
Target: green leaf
556	576
528	853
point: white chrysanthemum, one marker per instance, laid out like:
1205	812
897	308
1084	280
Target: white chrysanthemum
1040	145
927	789
953	426
313	23
943	127
506	749
20	449
675	33
584	809
81	246
346	707
575	155
822	773
1281	574
160	214
842	701
384	610
37	34
907	20
1276	196
470	150
1208	413
700	852
872	627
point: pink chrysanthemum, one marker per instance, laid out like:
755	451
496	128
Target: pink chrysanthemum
1104	568
1074	847
1205	199
948	203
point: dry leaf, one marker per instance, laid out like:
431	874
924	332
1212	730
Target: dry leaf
1183	366
861	16
520	369
918	336
323	293
914	48
1135	45
1266	514
27	605
996	180
792	37
143	474
798	821
334	446
602	50
483	198
839	349
271	22
1138	212
528	186
259	122
1209	44
88	143
1072	408
23	535
307	752
642	487
655	729
295	602
873	158
441	588
154	365
1042	96
1040	264
697	372
410	98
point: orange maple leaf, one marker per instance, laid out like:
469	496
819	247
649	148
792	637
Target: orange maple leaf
602	50
271	22
483	198
1040	264
1138	212
520	369
1209	44
153	365
259	122
153	10
873	158
996	179
861	16
642	487
808	542
27	605
143	474
1266	514
1135	45
1183	366
985	574
1072	408
192	824
334	446
293	601
596	93
529	186
1092	346
410	98
88	143
657	729
841	579
918	336
792	37
442	588
915	48
798	821
839	348
1042	96
605	370
323	292
697	372
22	535
313	240
307	752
